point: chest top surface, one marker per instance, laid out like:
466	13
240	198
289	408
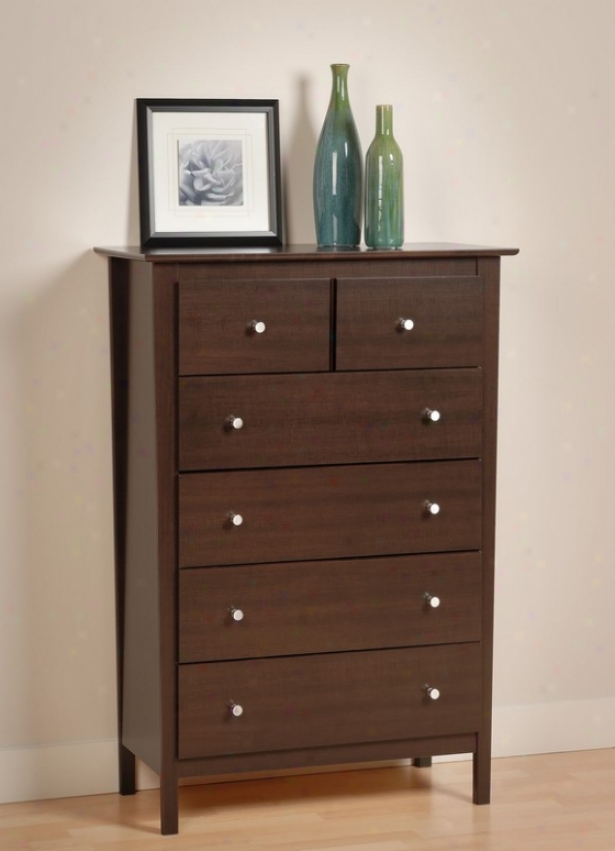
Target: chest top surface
300	252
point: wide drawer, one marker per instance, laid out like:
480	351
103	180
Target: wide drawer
445	315
328	512
216	333
290	420
324	606
329	699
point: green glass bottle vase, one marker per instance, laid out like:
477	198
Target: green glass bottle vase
337	170
384	186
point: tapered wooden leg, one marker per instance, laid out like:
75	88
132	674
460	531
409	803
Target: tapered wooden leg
422	762
169	804
128	771
481	771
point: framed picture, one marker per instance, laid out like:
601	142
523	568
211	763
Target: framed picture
209	173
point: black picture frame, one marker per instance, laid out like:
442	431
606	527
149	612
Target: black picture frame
209	173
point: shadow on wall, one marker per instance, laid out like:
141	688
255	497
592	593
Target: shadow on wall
133	232
297	166
65	688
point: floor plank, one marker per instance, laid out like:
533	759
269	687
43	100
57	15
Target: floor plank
554	802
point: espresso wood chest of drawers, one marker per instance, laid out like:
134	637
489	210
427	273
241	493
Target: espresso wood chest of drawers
304	479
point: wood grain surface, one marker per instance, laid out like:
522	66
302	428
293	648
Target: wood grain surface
546	802
291	420
214	319
328	512
319	607
448	322
330	698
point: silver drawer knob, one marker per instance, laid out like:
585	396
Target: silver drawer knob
434	602
432	693
431	416
236	614
236	709
432	507
236	519
405	324
234	422
257	326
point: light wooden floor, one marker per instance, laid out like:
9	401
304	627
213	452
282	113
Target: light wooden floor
558	802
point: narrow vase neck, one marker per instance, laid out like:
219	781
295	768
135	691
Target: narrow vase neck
339	92
384	120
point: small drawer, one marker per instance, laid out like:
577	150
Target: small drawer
325	606
295	420
329	699
405	323
328	512
254	326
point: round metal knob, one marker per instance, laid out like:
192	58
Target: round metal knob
432	507
405	324
431	416
236	709
234	422
434	602
433	693
236	519
236	614
257	326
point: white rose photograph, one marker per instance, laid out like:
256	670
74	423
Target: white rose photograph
211	172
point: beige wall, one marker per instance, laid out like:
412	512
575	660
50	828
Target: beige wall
504	110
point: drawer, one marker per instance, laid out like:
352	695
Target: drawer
447	317
216	337
328	512
291	420
329	699
319	607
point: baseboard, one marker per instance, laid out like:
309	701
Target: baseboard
570	725
58	771
90	768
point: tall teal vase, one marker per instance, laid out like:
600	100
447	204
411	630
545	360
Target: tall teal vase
337	170
384	186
